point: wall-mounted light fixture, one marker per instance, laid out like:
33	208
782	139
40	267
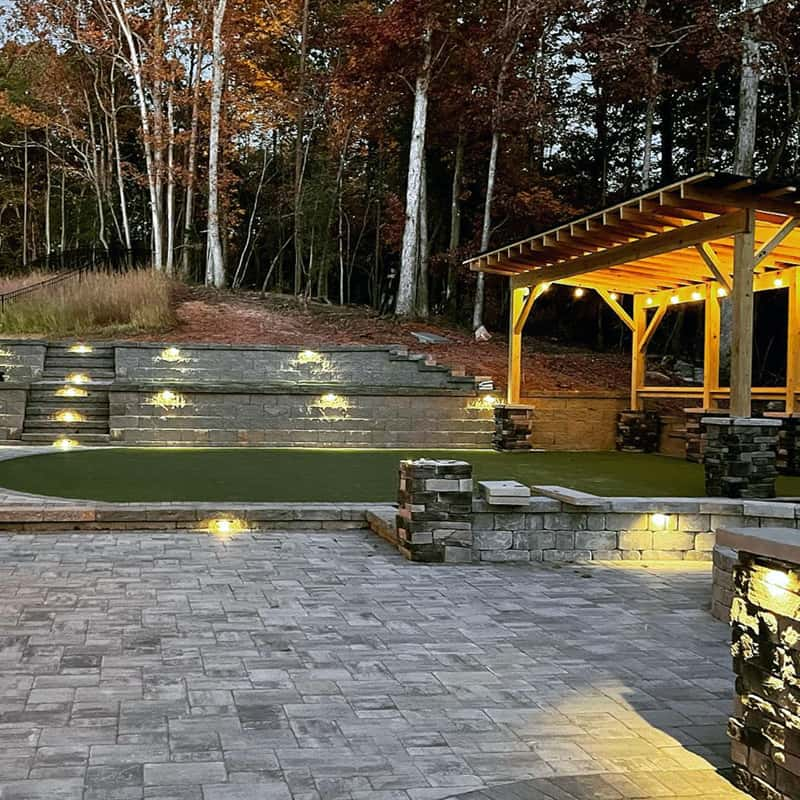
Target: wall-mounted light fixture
172	355
224	527
69	415
71	391
167	399
63	443
81	349
77	378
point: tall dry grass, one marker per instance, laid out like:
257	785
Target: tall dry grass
99	304
9	283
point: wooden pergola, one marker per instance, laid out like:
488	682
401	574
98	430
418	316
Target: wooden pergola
696	240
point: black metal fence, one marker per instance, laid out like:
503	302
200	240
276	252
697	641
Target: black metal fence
73	264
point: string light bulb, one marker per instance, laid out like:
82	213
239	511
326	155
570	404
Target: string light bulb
697	296
777	283
649	301
579	292
614	296
722	292
674	300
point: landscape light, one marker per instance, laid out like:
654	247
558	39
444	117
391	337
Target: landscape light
68	415
81	348
62	443
71	391
226	526
777	582
332	400
171	354
579	292
167	399
660	520
490	400
308	357
77	378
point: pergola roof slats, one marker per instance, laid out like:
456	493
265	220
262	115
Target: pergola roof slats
670	237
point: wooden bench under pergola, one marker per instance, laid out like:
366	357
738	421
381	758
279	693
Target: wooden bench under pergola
696	240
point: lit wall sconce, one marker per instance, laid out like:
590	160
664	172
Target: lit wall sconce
225	527
167	399
62	443
77	378
308	357
81	349
172	355
71	391
485	403
659	521
333	401
69	415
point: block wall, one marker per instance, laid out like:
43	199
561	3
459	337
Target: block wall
21	362
12	412
207	418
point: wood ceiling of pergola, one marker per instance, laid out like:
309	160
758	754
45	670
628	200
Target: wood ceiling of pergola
675	236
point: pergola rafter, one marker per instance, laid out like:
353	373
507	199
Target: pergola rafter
695	240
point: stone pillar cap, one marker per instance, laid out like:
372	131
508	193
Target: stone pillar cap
749	422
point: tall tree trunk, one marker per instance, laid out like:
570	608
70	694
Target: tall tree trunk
424	249
667	137
191	168
486	231
406	288
123	200
48	192
748	95
170	263
63	240
455	223
25	200
215	267
647	156
299	160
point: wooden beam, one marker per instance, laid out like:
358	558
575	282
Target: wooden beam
750	202
711	346
775	240
515	345
638	359
616	308
653	326
657	244
713	263
535	293
793	342
742	298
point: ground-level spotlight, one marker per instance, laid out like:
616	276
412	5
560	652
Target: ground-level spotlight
227	526
62	443
69	415
71	391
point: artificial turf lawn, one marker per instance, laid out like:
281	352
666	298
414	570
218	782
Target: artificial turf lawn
303	475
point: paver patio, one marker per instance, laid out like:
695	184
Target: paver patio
307	665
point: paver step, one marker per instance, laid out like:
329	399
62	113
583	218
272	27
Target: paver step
47	437
60	373
46	407
47	393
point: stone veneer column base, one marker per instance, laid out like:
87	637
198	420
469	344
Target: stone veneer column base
638	431
740	456
788	442
434	517
696	431
513	425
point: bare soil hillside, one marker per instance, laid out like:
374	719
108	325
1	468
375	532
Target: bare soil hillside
206	315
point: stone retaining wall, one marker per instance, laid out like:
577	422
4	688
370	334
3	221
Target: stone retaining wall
279	365
206	416
21	362
12	412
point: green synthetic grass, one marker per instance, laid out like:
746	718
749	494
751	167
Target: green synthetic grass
263	475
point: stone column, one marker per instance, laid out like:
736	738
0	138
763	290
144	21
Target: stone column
638	431
788	442
434	517
513	425
765	726
740	456
696	432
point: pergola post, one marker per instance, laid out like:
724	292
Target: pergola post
742	299
793	341
516	307
638	350
711	346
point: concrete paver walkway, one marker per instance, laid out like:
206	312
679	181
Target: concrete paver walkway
322	665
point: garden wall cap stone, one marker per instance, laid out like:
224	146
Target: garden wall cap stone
779	543
504	489
769	508
744	422
573	497
435	462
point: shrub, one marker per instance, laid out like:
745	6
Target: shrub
99	303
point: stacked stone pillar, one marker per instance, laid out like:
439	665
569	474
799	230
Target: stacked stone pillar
434	517
765	728
741	457
696	432
638	431
513	425
788	442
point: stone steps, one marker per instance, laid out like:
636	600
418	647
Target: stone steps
45	436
